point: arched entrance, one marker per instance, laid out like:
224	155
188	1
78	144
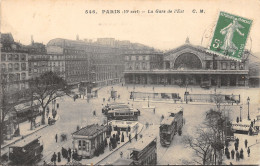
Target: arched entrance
187	61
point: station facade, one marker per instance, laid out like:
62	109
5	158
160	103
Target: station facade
185	65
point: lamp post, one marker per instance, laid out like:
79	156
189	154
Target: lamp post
248	100
148	102
240	113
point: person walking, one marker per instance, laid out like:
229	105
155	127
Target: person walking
237	156
69	152
129	137
236	146
232	153
56	137
122	137
241	154
59	159
136	136
121	154
54	158
246	143
248	151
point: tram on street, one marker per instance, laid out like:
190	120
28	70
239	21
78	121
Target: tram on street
113	106
144	152
26	151
171	125
128	114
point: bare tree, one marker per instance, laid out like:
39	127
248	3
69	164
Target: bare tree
216	124
47	88
201	144
7	103
218	99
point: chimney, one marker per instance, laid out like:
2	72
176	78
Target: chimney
32	42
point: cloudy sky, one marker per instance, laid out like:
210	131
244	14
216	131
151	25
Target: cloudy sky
48	19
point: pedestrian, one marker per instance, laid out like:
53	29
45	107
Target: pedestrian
136	136
236	147
232	153
248	151
56	138
228	155
154	110
237	156
69	152
129	137
68	159
121	154
237	140
241	154
59	159
54	158
122	137
254	121
44	163
246	143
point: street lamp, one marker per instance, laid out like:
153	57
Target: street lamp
248	100
240	113
148	102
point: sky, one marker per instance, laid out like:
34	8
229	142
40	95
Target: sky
49	19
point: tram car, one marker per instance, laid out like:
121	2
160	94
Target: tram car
128	114
113	106
26	152
144	152
171	125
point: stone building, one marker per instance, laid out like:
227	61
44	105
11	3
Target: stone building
37	60
14	64
187	64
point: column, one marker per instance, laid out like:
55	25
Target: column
237	80
219	81
246	81
228	80
209	76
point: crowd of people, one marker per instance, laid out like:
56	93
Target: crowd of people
236	153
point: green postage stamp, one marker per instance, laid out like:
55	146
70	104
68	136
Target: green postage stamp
230	36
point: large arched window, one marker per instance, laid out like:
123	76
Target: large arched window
187	61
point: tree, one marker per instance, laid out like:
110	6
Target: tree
46	88
216	124
7	103
201	144
218	99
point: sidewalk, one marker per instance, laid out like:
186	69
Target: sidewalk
96	159
25	131
253	144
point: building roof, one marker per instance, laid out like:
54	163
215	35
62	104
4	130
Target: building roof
143	142
122	161
89	130
25	141
167	121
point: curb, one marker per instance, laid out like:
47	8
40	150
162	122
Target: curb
23	137
117	148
